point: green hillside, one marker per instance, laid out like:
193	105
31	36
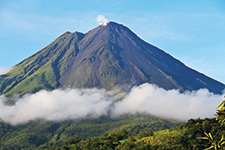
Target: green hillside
41	70
196	134
44	134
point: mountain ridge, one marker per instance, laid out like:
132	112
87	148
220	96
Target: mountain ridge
104	57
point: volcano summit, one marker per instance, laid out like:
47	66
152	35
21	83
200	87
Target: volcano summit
104	57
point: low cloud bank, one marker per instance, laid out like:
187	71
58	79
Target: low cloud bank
59	105
156	101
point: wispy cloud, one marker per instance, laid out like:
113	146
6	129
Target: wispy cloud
184	26
15	20
46	24
207	61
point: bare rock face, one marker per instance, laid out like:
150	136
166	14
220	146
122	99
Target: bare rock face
104	57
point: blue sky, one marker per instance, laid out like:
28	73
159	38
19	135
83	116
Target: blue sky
192	31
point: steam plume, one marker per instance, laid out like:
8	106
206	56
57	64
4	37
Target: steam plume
102	20
59	105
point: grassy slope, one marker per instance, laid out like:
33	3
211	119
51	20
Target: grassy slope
162	138
39	71
42	79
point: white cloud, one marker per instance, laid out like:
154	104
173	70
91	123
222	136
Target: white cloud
169	104
4	70
67	104
57	105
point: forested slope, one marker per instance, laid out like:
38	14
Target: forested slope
196	134
44	134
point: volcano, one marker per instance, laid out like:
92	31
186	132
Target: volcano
106	56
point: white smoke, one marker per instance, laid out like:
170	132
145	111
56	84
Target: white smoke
67	104
102	20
